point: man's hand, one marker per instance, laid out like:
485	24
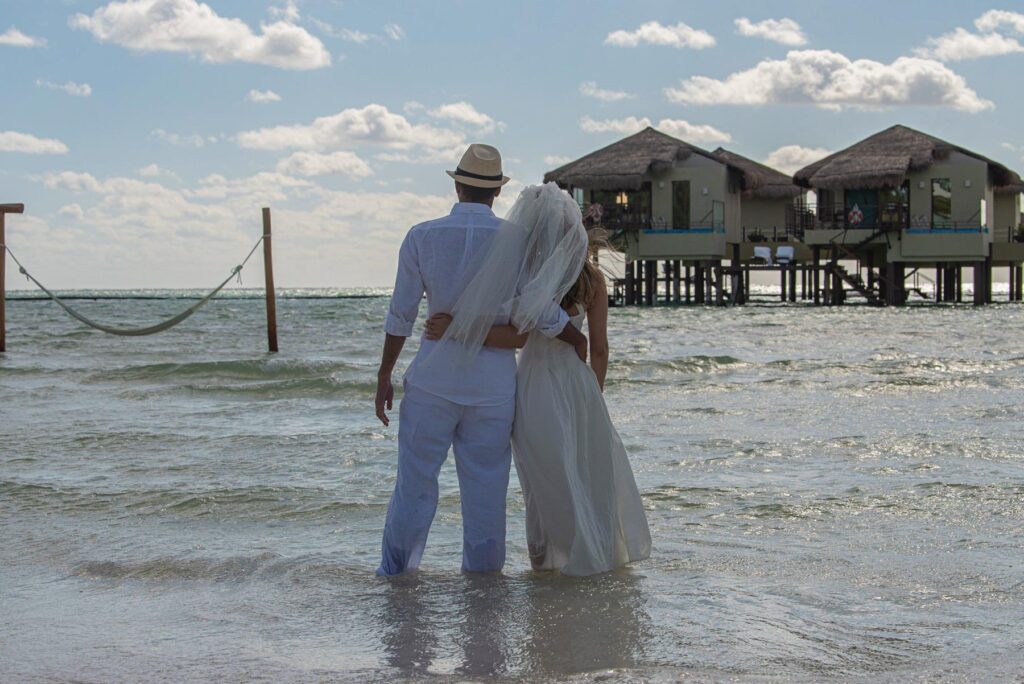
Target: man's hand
570	335
385	396
436	325
581	348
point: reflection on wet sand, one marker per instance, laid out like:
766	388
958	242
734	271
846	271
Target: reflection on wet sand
530	624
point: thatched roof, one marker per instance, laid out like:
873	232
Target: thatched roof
1010	189
885	159
760	181
623	164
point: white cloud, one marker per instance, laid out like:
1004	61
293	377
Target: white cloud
556	160
373	124
991	41
654	33
71	88
195	28
830	79
994	20
394	32
342	163
355	36
698	133
791	158
145	234
785	30
437	156
289	11
590	89
74	211
179	139
15	38
466	113
262	96
961	44
12	141
695	133
154	171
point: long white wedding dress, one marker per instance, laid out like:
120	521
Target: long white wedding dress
584	514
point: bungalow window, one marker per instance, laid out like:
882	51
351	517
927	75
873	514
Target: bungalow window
681	205
625	209
942	203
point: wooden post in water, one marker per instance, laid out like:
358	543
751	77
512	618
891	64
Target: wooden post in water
268	272
4	210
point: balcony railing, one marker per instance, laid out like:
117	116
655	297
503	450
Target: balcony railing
804	216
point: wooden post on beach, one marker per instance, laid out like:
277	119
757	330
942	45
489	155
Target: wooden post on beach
4	210
268	272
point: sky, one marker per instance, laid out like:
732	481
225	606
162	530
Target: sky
144	136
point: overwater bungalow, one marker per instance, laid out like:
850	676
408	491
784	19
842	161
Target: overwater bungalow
677	207
901	201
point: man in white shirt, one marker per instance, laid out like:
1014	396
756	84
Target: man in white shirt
470	409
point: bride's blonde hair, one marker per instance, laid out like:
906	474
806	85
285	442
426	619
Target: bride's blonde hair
582	291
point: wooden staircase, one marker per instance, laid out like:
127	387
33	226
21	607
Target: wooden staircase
855	281
871	293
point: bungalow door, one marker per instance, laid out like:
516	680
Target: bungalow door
862	208
681	205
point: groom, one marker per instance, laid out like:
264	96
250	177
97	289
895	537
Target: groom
470	409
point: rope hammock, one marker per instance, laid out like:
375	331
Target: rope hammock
136	332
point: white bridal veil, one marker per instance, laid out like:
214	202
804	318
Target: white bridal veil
533	260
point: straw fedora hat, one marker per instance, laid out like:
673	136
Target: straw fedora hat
480	167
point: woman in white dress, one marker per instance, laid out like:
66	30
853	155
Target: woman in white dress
584	514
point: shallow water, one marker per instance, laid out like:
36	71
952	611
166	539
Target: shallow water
832	493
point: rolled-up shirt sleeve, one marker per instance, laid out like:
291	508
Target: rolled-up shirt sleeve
405	300
554	320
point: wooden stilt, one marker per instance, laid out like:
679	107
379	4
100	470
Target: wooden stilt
676	280
630	282
782	284
817	275
959	283
938	282
687	282
792	283
979	283
4	210
988	279
268	273
719	284
1020	282
650	282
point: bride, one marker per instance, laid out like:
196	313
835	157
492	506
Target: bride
584	514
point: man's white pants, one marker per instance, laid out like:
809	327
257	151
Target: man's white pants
428	427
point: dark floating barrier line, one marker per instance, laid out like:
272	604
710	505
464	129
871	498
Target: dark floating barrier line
32	298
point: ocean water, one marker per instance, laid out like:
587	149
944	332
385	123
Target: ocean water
833	494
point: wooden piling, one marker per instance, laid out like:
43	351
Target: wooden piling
268	273
687	283
4	210
676	280
816	270
719	284
979	283
650	281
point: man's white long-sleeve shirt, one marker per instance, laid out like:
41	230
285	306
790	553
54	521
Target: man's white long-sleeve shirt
434	259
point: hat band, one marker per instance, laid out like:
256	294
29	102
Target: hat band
460	172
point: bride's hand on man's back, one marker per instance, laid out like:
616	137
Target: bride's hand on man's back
436	325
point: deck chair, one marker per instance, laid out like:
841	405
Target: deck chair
784	254
764	254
